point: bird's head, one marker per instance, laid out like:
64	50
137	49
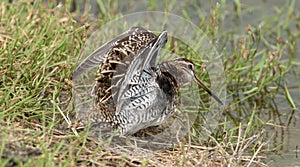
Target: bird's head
183	71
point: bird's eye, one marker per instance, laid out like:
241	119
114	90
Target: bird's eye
191	67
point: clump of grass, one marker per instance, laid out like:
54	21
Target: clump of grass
37	46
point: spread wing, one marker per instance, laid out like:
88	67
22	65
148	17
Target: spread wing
100	54
138	89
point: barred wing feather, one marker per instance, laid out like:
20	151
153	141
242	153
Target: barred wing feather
138	89
100	54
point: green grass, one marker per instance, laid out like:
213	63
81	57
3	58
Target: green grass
39	49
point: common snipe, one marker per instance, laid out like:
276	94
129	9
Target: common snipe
132	91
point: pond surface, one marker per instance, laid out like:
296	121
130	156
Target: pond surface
286	134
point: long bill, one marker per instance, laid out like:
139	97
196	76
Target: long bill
200	83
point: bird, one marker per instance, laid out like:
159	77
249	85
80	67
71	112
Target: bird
132	89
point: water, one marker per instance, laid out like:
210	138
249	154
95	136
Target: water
285	136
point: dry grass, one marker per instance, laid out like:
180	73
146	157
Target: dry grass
30	145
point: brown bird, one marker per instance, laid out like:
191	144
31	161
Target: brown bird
132	91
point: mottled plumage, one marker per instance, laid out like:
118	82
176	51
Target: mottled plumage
132	91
